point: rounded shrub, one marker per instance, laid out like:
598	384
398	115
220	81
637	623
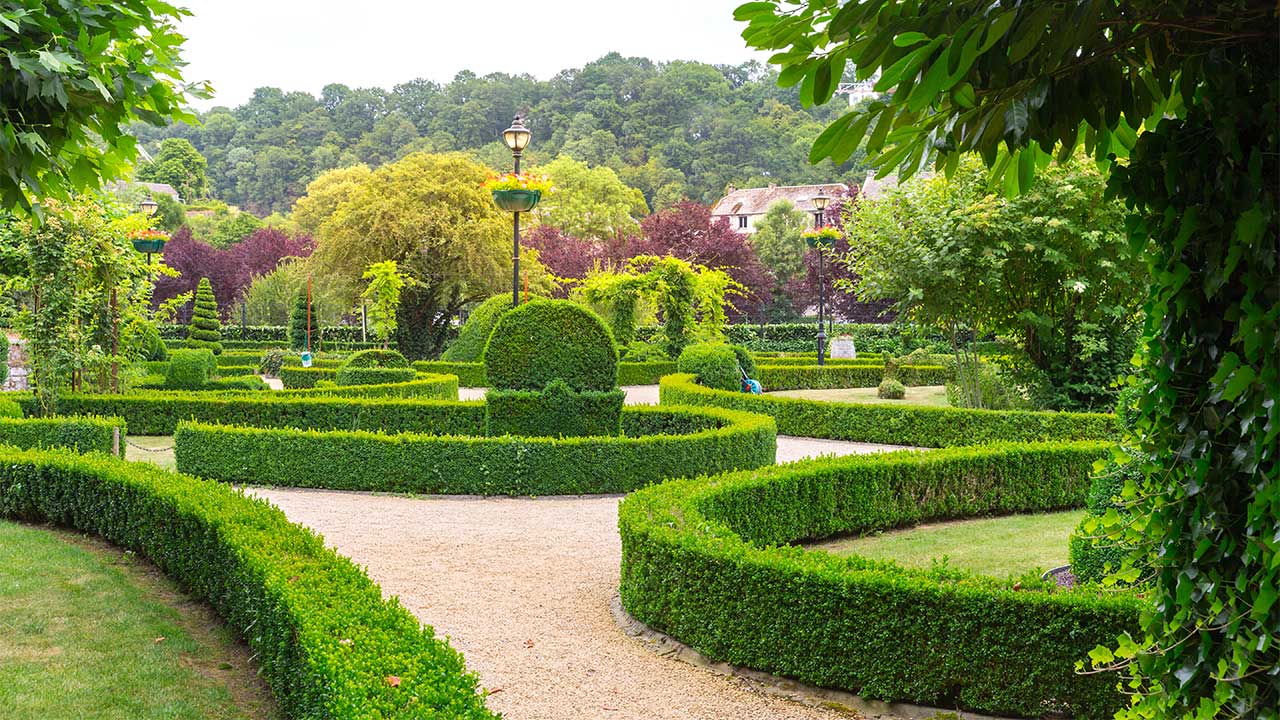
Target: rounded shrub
891	390
375	359
206	330
541	341
153	348
746	361
714	365
10	409
469	347
189	369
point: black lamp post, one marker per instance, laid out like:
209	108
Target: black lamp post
517	138
820	204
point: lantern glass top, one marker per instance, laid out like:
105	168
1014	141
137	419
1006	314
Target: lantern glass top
517	136
148	206
820	201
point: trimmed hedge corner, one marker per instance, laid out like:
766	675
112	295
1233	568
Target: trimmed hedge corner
81	434
557	411
700	562
325	645
659	443
893	424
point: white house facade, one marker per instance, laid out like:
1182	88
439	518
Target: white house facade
744	208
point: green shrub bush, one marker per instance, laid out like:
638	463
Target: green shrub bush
638	351
745	360
373	375
997	391
702	562
411	462
891	390
10	409
894	424
853	375
541	341
556	411
325	645
300	322
375	359
273	335
81	434
474	335
390	408
644	373
294	378
1093	553
271	362
205	330
470	374
190	369
153	347
714	365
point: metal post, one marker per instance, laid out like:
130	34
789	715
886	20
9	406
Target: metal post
515	248
822	332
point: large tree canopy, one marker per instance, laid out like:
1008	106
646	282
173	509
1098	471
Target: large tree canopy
73	76
179	164
1189	91
429	214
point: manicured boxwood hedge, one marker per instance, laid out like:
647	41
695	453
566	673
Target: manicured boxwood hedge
472	374
541	341
897	425
324	638
699	563
295	378
556	411
234	344
420	463
812	377
81	434
347	376
369	407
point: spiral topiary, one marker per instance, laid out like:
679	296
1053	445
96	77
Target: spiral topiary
205	330
541	341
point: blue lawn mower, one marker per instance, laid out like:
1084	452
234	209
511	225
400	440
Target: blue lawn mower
749	385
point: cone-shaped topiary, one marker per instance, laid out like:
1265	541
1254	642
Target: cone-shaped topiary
205	330
298	325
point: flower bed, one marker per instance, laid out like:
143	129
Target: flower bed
896	425
658	443
327	644
701	562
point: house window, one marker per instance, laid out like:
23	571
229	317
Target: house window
742	221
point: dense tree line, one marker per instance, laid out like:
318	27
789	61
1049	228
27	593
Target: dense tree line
672	130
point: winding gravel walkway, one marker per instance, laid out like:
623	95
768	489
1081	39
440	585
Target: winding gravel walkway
522	586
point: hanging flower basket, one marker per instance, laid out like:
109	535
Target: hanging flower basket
820	237
148	241
517	200
517	193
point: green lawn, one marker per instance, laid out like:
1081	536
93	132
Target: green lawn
932	395
990	546
156	449
87	631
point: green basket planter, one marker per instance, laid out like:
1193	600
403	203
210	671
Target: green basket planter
517	200
148	246
818	241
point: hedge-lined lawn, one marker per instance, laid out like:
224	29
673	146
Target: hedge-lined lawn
90	632
1001	546
931	395
155	449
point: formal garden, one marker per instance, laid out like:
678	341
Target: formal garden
996	439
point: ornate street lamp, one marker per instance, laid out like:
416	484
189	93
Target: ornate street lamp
149	241
517	138
820	205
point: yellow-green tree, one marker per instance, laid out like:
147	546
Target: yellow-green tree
429	214
590	202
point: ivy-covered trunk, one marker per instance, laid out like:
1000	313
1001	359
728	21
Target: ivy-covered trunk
1205	188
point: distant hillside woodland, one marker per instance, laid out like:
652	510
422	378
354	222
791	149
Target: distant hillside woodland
671	130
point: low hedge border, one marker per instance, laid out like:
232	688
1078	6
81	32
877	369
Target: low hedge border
700	562
281	344
370	407
79	433
326	644
659	443
896	425
472	374
813	377
299	378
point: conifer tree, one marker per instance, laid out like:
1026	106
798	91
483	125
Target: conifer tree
205	331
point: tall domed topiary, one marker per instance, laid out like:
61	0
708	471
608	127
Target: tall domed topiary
552	369
205	330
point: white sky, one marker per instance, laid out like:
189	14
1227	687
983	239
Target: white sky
239	45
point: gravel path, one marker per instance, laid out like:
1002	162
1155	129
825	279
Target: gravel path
522	587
